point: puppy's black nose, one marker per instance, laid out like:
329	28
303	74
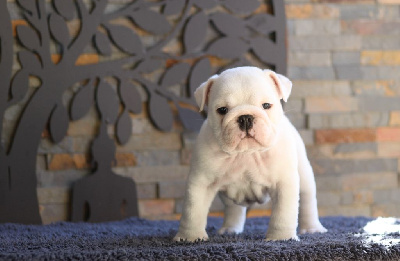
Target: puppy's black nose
245	122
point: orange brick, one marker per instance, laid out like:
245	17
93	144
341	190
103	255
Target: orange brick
371	57
15	23
61	162
251	213
388	134
88	58
344	1
67	161
125	159
299	11
394	118
380	58
81	161
389	2
87	126
305	11
263	8
156	207
345	136
391	58
330	104
259	213
55	58
216	214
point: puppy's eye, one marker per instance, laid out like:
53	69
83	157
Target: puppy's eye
267	106
222	110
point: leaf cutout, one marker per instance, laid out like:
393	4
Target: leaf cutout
124	127
28	5
175	74
195	32
160	112
262	23
201	71
58	123
107	102
81	102
102	43
151	21
241	7
28	60
228	47
59	29
173	7
229	24
191	120
19	85
130	96
265	50
28	37
125	39
205	4
149	65
65	8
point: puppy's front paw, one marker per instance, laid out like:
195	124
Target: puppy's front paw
312	229
281	235
190	236
229	230
273	238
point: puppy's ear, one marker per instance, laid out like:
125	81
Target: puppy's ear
283	84
203	91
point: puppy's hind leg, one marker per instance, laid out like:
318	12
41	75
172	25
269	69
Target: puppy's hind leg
234	216
308	211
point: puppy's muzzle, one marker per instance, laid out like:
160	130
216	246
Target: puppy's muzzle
245	122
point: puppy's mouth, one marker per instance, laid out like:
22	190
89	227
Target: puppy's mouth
246	135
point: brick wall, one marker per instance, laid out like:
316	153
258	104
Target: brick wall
344	60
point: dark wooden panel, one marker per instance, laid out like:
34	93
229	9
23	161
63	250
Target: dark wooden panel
204	31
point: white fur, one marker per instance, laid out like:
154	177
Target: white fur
269	161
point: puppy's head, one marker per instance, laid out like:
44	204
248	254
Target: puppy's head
244	109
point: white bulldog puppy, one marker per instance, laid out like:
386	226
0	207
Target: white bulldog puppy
248	151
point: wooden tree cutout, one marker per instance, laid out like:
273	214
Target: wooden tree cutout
234	32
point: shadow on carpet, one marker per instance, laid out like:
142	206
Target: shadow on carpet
348	238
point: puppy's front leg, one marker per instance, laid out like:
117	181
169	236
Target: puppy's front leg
197	203
308	216
285	204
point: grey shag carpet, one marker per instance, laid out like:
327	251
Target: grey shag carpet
140	239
